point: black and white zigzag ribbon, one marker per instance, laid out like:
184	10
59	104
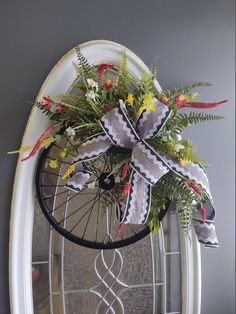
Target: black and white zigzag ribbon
148	166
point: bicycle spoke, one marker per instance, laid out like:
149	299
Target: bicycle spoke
94	202
98	214
55	195
67	201
86	226
60	185
48	172
78	209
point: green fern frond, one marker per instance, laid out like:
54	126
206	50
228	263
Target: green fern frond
193	158
186	218
78	101
123	77
196	117
84	69
176	189
154	69
47	112
187	88
80	85
83	105
177	123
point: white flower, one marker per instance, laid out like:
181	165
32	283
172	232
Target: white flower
178	147
165	138
92	84
70	132
91	185
178	137
117	179
91	95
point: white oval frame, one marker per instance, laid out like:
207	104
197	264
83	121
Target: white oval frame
22	209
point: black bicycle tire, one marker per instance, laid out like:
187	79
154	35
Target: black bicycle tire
71	237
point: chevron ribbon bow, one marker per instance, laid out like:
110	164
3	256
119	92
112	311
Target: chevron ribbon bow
148	166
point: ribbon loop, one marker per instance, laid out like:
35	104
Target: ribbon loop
93	147
150	124
119	129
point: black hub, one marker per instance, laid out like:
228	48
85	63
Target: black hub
106	181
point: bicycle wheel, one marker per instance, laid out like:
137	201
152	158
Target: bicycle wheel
83	217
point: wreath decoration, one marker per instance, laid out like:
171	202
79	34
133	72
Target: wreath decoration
141	128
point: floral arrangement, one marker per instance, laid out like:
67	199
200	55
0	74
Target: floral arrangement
111	105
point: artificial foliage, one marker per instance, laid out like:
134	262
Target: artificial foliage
98	90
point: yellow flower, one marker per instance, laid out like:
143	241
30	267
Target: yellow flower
68	172
138	113
130	99
184	162
63	153
148	102
53	164
148	97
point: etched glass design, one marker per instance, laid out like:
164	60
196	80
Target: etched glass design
144	277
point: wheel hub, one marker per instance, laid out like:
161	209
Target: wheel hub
106	181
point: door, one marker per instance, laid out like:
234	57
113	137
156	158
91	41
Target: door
158	274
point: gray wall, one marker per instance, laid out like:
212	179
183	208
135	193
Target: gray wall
194	42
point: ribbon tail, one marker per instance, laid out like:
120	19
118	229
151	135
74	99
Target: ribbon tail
93	147
205	228
138	201
90	149
206	232
78	178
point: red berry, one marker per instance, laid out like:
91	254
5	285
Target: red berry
47	102
124	171
126	188
121	228
102	68
203	214
108	84
196	189
108	107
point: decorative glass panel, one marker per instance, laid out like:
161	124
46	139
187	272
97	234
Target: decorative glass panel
144	277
